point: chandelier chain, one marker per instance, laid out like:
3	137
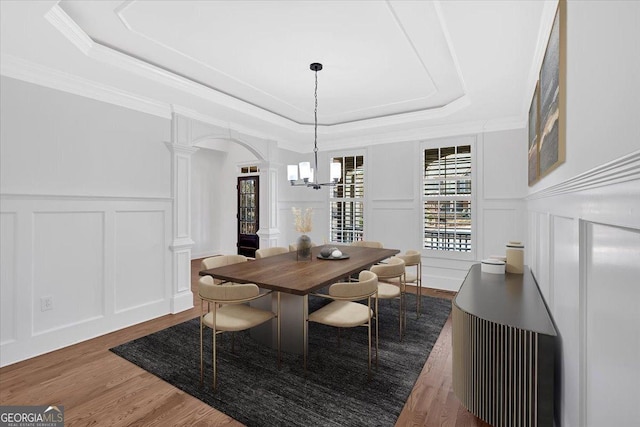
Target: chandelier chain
315	115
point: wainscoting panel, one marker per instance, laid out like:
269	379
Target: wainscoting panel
543	257
139	249
68	267
584	253
612	325
8	277
102	262
565	306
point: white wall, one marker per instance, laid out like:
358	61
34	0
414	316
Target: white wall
303	198
85	217
206	206
393	211
214	174
584	221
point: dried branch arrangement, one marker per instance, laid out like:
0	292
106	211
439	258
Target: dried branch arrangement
303	221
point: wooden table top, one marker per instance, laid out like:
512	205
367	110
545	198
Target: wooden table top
284	273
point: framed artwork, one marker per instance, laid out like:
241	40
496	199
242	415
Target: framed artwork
552	99
534	131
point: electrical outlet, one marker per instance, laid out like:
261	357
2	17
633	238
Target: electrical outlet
46	303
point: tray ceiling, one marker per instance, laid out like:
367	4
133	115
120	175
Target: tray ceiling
388	65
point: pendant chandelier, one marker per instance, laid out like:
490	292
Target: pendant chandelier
303	174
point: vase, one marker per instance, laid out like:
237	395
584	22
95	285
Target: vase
304	248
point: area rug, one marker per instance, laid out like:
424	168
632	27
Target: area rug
335	391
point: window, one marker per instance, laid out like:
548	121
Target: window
249	169
347	201
447	199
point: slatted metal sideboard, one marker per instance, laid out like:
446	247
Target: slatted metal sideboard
504	344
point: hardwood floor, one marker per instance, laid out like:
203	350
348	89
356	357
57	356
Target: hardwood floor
96	387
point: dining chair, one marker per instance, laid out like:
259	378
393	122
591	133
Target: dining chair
267	252
393	268
367	244
345	312
227	312
221	261
412	258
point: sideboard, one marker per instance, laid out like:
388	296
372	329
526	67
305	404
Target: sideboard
504	344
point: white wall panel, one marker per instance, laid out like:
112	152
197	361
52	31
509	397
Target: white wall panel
498	228
84	147
7	277
392	171
140	257
395	227
565	308
68	266
503	156
542	255
613	325
205	201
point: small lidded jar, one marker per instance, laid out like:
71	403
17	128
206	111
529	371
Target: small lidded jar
515	258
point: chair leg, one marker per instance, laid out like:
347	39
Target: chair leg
278	330
376	316
404	318
419	284
400	315
305	329
213	359
369	348
201	355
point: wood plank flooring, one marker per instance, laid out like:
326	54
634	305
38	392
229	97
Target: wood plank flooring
96	387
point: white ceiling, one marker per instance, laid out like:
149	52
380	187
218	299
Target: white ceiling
392	69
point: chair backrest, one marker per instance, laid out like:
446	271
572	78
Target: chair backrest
267	252
227	292
221	261
367	244
365	287
411	258
393	268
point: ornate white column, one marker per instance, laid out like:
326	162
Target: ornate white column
269	231
181	151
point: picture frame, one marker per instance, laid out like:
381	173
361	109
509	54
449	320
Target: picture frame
534	132
552	97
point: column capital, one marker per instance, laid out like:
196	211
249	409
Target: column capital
181	149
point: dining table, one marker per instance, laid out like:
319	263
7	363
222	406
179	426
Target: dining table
295	280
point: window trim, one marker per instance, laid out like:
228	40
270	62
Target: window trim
470	140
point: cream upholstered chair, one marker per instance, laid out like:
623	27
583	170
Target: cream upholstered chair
226	312
267	252
221	261
392	269
412	259
367	244
344	312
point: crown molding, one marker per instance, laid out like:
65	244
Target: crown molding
30	72
622	170
94	50
425	133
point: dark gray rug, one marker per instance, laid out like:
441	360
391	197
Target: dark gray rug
335	391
